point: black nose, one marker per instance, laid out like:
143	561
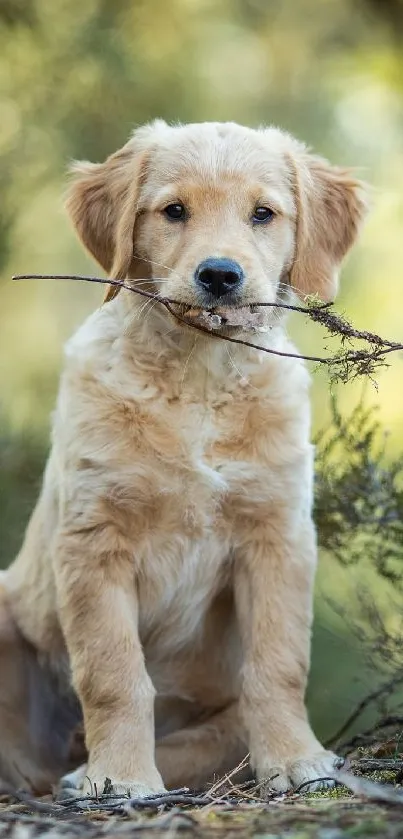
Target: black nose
219	276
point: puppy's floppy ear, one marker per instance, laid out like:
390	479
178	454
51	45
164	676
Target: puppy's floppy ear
330	206
102	203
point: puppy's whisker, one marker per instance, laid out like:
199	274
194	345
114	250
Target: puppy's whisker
142	309
186	364
153	304
232	362
148	281
160	265
209	350
237	370
141	281
287	287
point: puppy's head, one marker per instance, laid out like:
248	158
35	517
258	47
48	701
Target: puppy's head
217	214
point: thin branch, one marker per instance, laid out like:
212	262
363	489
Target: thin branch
32	803
306	784
169	302
370	789
361	739
74	800
123	805
376	764
363	705
227	777
122	284
345	365
334	323
240	340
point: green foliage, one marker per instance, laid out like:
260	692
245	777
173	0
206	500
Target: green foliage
21	462
359	515
359	494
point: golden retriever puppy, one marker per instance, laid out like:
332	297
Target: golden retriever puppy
164	587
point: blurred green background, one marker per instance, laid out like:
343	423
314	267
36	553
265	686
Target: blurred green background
75	77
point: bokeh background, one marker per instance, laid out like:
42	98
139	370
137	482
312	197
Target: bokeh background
75	77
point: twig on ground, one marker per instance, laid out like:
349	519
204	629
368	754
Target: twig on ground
377	764
316	781
32	803
369	733
227	778
110	796
116	805
372	790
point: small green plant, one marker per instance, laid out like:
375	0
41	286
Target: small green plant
359	494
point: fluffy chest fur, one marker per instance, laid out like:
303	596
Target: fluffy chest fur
186	448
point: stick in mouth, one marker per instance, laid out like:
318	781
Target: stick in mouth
249	318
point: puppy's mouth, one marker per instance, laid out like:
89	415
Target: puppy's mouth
222	318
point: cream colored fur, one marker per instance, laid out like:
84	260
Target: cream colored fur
167	571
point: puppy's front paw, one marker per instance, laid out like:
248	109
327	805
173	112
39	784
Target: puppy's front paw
88	781
122	787
313	771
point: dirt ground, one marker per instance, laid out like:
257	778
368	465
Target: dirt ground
324	818
371	805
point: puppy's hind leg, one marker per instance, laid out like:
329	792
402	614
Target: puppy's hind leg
35	723
197	754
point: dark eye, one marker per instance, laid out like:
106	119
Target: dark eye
262	214
176	212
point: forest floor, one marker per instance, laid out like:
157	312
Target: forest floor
369	805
